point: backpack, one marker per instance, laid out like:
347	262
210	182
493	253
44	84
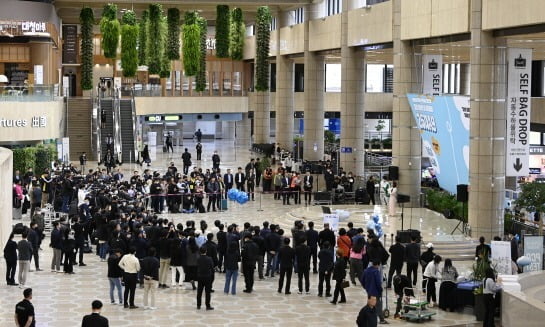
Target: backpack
358	246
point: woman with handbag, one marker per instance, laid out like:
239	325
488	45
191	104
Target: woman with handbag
344	244
339	273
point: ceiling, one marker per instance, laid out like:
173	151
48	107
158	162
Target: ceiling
68	10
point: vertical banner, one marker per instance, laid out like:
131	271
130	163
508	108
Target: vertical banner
533	249
519	85
501	256
38	74
433	74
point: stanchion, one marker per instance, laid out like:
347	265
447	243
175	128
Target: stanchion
260	196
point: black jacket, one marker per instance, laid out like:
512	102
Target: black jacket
312	238
212	251
260	242
250	252
149	266
397	250
326	235
427	257
412	253
222	241
325	263
114	271
94	320
286	257
272	242
10	251
367	317
164	248
177	252
302	253
232	258
205	268
339	270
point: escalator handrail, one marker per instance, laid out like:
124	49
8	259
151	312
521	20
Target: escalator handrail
98	123
133	119
116	108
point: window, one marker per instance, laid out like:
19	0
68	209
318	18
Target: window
273	24
298	16
333	77
333	7
379	78
451	78
250	30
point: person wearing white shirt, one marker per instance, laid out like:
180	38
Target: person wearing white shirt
384	191
81	195
431	274
490	288
130	265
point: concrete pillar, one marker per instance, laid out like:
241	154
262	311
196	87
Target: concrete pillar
352	114
228	130
487	129
465	79
314	74
242	130
262	117
284	91
406	141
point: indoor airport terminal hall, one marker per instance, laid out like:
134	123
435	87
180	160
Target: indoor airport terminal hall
272	163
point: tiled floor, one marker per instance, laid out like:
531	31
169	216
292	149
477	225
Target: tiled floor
61	300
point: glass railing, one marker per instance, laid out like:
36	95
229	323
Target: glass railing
29	93
156	90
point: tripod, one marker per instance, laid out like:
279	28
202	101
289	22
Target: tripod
462	221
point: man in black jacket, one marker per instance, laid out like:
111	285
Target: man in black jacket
149	268
325	269
287	257
302	255
240	179
228	180
221	236
412	256
260	259
186	158
312	242
249	256
95	319
205	276
397	251
211	250
272	246
326	235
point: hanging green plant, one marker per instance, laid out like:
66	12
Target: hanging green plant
87	20
238	31
191	33
173	37
263	35
110	29
200	78
129	38
222	31
165	60
156	43
143	39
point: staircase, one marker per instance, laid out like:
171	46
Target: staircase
127	131
455	251
107	106
79	127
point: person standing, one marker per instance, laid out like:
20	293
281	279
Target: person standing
250	184
130	265
368	314
186	159
145	156
10	255
45	182
69	245
431	274
287	258
24	250
249	256
56	244
114	276
372	283
198	135
392	204
325	269
205	276
412	255
216	160
24	311
258	171
397	251
198	148
370	187
240	179
95	319
150	271
302	255
232	258
168	143
214	193
164	257
339	273
357	252
385	191
491	287
312	242
308	183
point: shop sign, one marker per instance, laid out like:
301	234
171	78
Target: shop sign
519	85
210	43
533	249
35	122
537	150
33	27
433	74
535	171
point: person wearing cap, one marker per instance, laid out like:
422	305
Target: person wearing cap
24	311
95	319
427	256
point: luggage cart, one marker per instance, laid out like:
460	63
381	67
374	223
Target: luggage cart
415	308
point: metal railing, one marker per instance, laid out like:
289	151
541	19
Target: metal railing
97	128
29	93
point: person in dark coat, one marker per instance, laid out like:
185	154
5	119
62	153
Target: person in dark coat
69	246
260	259
205	276
412	256
339	273
232	258
10	255
397	251
370	188
402	283
192	256
145	156
95	319
221	236
249	255
368	314
325	269
287	258
312	242
302	255
177	258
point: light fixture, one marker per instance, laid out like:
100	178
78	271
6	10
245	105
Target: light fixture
4	79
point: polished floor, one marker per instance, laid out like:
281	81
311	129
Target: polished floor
61	300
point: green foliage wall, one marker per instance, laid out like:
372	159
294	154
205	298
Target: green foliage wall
110	29
173	36
129	38
238	31
143	39
38	158
191	34
165	60
200	78
156	38
222	31
263	35
87	20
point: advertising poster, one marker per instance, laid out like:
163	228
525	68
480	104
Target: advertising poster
519	86
444	126
432	83
533	249
333	220
501	256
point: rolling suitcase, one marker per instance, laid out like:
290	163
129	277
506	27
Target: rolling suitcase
223	204
164	148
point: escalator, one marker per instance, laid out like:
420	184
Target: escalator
127	130
107	130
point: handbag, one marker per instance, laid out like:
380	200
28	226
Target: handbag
345	284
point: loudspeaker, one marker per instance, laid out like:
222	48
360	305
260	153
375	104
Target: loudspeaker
461	193
403	198
393	173
406	235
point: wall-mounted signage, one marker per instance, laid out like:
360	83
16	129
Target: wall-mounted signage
24	28
535	171
36	121
33	27
70	44
433	74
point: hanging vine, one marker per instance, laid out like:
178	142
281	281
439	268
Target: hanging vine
263	35
222	31
129	38
87	20
238	31
191	33
143	39
173	38
110	30
165	60
200	79
155	39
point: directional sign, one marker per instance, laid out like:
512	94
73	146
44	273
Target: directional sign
519	86
346	150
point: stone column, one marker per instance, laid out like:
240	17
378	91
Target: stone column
262	117
242	130
406	141
352	113
314	74
487	129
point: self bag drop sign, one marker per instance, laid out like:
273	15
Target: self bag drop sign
519	77
444	126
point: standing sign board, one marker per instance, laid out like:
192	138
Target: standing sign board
433	74
333	220
533	249
519	86
501	256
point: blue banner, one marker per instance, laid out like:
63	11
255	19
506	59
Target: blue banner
444	126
